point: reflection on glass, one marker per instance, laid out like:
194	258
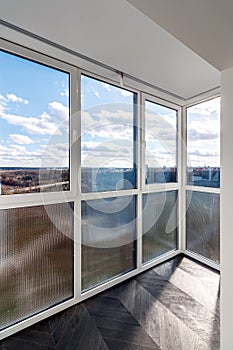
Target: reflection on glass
108	137
202	224
36	260
108	239
159	224
161	143
203	144
34	127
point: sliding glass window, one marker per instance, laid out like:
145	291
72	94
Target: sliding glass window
159	224
34	126
108	239
91	187
203	179
160	143
203	224
108	136
161	191
108	162
36	218
203	144
36	269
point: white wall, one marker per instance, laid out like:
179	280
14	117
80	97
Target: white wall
227	211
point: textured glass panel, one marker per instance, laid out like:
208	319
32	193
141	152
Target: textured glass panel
161	143
202	222
36	260
203	144
108	137
34	127
159	224
108	239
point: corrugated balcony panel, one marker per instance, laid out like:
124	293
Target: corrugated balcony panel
159	224
36	260
203	224
108	239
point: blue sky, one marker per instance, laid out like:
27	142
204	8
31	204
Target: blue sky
112	143
160	135
203	134
34	106
107	125
34	122
97	93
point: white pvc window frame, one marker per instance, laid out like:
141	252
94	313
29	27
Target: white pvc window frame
41	199
74	194
170	186
194	188
137	152
45	54
17	200
177	108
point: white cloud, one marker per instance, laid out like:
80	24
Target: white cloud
206	109
53	155
160	159
96	93
89	146
203	153
203	129
3	99
17	151
156	120
204	121
160	127
57	148
2	108
116	153
45	124
41	125
119	116
13	98
18	148
59	111
21	139
56	154
16	155
3	103
65	93
115	128
87	120
126	93
199	158
113	125
106	86
3	148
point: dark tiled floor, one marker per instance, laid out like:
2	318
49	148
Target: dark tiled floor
174	306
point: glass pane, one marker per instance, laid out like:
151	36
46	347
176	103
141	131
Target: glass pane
159	224
203	144
108	137
202	224
34	127
161	143
108	239
36	260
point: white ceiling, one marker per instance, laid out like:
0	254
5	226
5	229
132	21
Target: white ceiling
206	26
119	35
